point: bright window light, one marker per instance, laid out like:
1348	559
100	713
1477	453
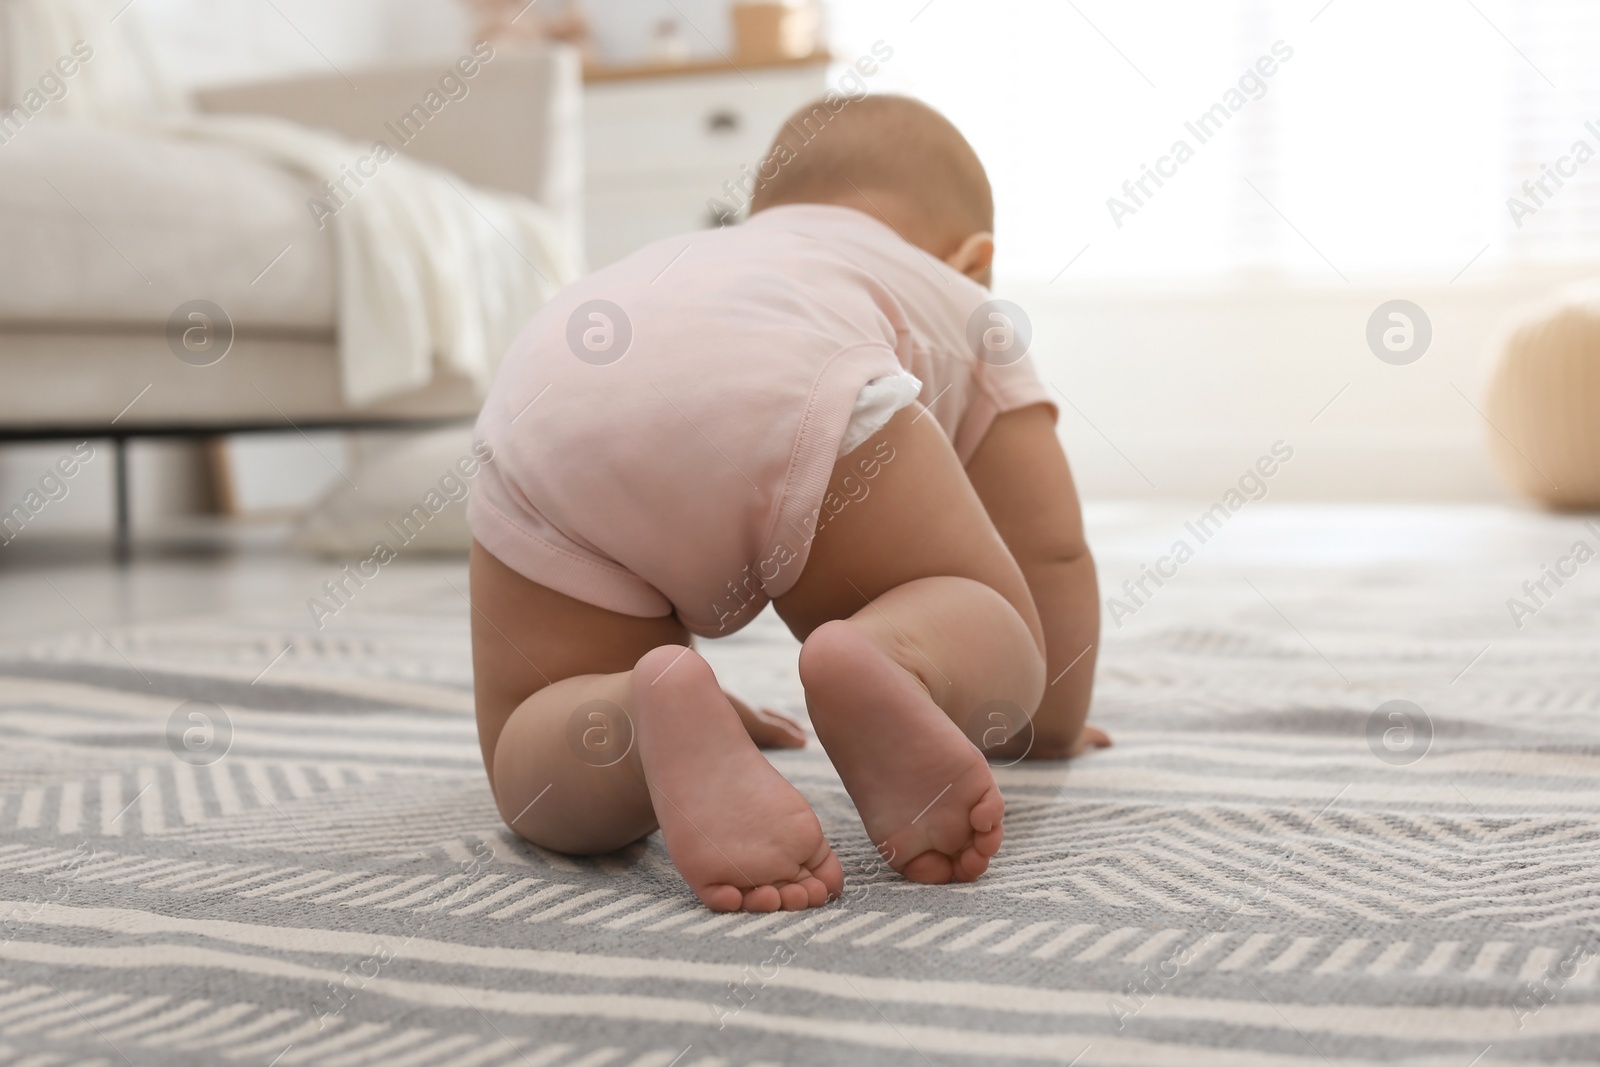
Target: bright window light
1352	139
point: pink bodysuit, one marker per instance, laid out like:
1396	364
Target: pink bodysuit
664	430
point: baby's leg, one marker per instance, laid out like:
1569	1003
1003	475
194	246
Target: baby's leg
914	616
626	729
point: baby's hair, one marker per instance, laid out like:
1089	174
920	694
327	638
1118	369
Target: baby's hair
879	144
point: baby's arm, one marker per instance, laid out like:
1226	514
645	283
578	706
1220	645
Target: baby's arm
1021	475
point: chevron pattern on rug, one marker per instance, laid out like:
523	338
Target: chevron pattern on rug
1242	879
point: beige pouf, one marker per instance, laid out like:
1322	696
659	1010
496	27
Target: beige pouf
1544	395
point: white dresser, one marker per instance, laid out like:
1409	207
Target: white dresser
661	143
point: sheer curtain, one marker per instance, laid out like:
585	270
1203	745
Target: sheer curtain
1547	123
1385	142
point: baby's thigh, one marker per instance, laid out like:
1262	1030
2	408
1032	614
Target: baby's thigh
915	515
526	636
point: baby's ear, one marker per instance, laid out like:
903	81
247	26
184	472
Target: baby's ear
974	256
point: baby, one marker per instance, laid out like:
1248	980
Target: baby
819	408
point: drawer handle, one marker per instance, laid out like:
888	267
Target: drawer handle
723	121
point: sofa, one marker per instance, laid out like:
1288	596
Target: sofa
114	238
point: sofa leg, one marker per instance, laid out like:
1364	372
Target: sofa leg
122	547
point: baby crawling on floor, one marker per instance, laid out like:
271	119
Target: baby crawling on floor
823	409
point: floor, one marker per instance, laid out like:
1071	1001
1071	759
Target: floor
1258	872
201	568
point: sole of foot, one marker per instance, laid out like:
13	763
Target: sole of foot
925	794
741	835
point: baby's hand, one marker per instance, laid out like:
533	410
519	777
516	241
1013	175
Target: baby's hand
1056	748
768	728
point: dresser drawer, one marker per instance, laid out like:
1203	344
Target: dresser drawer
691	122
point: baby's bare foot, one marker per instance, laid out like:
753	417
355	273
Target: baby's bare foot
739	833
924	792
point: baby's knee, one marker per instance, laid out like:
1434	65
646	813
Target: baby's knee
965	620
827	650
566	772
956	637
570	832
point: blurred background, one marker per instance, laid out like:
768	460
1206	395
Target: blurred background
1340	155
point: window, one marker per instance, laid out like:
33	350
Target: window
1320	140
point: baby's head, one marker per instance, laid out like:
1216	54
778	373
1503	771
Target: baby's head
896	159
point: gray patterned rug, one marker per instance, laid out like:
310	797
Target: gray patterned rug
1269	867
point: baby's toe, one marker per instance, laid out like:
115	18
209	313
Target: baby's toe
824	867
988	811
930	868
762	898
793	896
988	843
970	865
721	897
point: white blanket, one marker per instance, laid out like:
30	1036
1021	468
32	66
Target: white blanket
432	272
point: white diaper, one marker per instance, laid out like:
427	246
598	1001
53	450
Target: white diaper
875	405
